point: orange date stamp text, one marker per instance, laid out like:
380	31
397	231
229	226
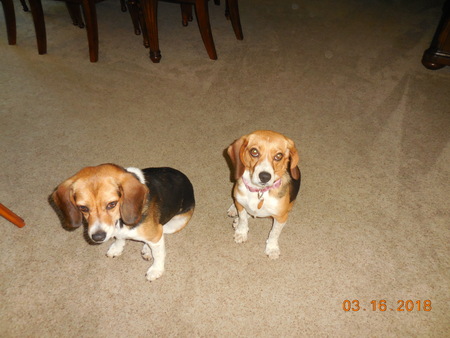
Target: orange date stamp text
382	305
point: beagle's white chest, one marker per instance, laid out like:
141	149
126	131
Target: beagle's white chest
257	204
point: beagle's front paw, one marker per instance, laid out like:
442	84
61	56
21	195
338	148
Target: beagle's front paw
240	236
146	252
235	222
232	211
154	273
273	252
116	248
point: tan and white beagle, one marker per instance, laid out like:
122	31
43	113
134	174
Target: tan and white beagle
135	204
267	183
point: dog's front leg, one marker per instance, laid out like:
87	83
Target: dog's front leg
241	227
272	247
116	248
159	257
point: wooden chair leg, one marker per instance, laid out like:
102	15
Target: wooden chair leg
133	9
438	55
24	5
90	15
10	216
123	6
145	36
10	20
39	25
74	10
233	8
186	13
202	14
150	12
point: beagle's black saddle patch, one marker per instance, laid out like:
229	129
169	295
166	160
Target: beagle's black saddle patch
170	190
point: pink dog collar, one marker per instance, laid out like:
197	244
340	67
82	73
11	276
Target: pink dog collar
260	192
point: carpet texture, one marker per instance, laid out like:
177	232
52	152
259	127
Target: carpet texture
343	79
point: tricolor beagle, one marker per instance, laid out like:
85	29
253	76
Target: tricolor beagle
135	204
267	183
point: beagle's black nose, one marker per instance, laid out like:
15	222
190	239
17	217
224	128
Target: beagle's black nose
264	176
99	236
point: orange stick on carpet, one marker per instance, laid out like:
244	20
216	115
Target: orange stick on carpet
10	216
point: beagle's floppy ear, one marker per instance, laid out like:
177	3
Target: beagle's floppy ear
234	152
134	194
63	198
294	158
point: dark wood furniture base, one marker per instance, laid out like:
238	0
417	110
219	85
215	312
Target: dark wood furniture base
38	21
438	55
150	14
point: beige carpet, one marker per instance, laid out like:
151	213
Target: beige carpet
343	79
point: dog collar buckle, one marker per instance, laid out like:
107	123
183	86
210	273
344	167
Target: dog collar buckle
261	192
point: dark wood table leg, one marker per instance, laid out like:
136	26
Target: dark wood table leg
10	20
202	13
233	9
24	5
150	9
186	13
90	15
39	25
438	55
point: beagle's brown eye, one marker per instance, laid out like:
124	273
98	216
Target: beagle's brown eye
254	152
111	205
278	157
83	208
